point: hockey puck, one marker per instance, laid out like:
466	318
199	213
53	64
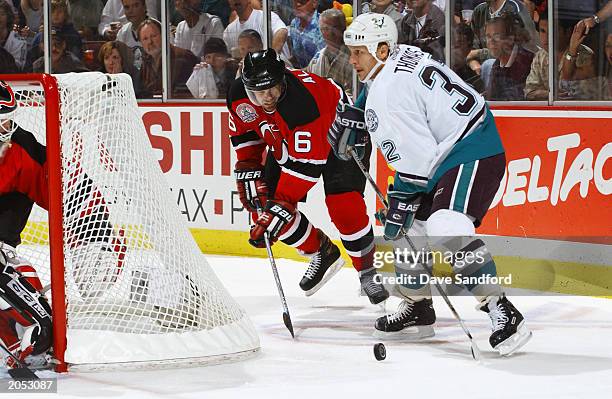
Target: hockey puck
380	352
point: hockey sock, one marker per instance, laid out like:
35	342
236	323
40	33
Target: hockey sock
349	214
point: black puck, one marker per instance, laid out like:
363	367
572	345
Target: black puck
380	352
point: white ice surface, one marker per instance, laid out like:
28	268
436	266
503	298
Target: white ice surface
569	356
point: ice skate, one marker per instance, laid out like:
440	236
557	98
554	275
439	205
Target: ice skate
412	321
509	330
322	267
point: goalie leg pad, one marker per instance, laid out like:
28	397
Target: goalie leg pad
26	306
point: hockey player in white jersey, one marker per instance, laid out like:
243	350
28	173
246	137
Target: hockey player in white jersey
440	137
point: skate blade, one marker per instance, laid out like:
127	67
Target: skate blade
516	341
413	333
331	271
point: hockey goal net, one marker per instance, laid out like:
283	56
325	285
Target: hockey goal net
129	286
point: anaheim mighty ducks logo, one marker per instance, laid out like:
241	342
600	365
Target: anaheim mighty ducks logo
379	22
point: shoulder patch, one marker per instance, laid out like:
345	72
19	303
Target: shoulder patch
371	120
246	112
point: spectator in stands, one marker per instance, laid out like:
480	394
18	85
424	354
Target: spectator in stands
512	62
249	41
217	69
249	18
85	16
7	62
60	21
304	34
489	9
462	39
135	12
62	60
113	17
536	85
197	28
333	60
383	7
182	62
423	26
33	12
11	40
116	57
577	75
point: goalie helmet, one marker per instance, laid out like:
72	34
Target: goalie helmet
8	106
262	70
370	30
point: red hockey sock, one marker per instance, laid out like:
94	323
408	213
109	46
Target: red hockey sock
348	212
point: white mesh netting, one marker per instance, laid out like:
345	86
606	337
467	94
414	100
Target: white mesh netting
137	287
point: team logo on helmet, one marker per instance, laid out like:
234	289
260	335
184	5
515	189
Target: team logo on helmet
379	22
246	112
10	100
371	120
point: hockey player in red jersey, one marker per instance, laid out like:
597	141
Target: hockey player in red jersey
289	112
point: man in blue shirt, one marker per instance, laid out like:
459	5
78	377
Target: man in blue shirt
304	33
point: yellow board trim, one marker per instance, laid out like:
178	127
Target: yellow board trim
570	278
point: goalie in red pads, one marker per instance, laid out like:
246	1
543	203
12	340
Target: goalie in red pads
289	113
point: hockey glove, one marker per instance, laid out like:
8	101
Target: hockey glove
275	220
251	186
400	215
348	131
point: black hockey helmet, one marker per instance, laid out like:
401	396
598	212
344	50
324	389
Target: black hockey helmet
262	70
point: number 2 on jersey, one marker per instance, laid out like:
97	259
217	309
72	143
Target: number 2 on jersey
388	149
430	74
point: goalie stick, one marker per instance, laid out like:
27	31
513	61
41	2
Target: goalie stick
279	286
19	373
476	354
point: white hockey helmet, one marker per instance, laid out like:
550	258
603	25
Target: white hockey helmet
371	29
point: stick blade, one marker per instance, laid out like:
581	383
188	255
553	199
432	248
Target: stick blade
288	324
22	373
476	354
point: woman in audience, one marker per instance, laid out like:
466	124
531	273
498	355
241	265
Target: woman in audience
116	57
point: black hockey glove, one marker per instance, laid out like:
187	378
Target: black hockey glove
348	132
400	215
251	186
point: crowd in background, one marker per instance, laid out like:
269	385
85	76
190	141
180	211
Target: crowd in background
500	47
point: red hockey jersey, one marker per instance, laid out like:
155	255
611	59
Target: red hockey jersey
296	131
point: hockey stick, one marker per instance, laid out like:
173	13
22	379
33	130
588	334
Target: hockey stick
22	372
279	286
476	354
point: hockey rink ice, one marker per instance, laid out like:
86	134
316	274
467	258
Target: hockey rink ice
569	356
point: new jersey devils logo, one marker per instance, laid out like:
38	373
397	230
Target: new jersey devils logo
274	139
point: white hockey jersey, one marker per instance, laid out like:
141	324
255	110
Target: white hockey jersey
425	119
